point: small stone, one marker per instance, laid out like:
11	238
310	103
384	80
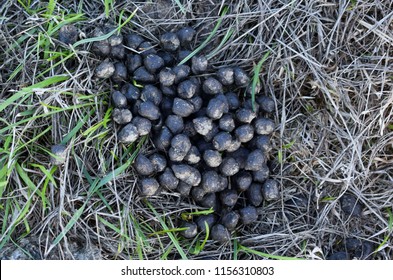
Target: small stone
245	115
199	64
193	156
105	70
146	48
243	181
241	77
153	63
149	110
119	100
222	141
122	116
206	221
131	92
351	206
181	72
229	166
183	189
159	162
152	93
267	104
220	234
133	62
142	75
168	180
264	126
68	34
226	76
233	100
217	107
120	74
143	125
229	197
187	89
211	182
212	86
212	158
248	215
180	145
59	154
244	133
143	165
169	41
187	173
163	140
226	123
191	230
254	194
255	160
148	187
230	220
128	134
182	107
185	35
167	77
203	125
270	190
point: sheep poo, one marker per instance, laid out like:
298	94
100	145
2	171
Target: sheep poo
211	182
163	140
226	123
180	145
143	125
101	48
158	161
338	256
248	215
193	156
264	126
228	197
220	234
226	76
209	219
245	115
240	155
217	107
118	52
149	110
191	230
254	194
59	154
244	133
262	174
152	93
183	189
167	77
270	190
233	100
187	173
222	141
241	77
197	103
143	76
175	124
255	160
350	205
185	35
169	41
68	34
133	40
143	165
212	158
203	125
146	48
210	200
186	89
243	181
131	92
119	100
182	107
105	70
122	116
181	72
230	220
133	62
262	142
128	134
198	64
153	63
148	187
168	57
115	39
168	180
182	54
198	193
266	103
212	86
229	166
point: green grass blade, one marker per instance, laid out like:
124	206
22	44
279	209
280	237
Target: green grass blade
265	255
255	79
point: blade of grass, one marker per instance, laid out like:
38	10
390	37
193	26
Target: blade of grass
228	34
255	79
264	255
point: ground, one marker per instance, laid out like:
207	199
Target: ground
328	67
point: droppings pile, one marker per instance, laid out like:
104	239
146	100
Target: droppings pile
212	142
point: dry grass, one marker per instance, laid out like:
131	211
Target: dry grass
330	72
